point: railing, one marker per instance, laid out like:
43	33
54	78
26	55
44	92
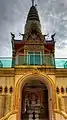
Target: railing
61	62
8	62
35	59
5	62
10	116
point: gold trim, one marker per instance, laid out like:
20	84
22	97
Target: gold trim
61	113
8	115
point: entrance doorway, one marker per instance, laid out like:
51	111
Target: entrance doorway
34	103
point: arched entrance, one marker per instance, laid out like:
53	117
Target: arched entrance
42	92
34	101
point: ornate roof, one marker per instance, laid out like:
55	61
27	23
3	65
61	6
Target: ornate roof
33	14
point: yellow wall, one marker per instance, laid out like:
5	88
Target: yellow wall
10	77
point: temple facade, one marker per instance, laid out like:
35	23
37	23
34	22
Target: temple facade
33	88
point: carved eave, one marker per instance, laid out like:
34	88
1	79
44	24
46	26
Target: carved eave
50	42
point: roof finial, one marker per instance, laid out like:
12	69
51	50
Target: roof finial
32	2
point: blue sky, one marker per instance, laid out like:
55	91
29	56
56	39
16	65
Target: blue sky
53	17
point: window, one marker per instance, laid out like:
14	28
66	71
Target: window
57	90
1	89
66	89
11	89
34	58
6	89
62	90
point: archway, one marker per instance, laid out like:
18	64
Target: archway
46	82
34	101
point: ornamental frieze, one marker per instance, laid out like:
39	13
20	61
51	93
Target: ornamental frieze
34	47
31	41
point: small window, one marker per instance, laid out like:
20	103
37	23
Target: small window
57	90
11	89
1	89
62	90
6	89
66	89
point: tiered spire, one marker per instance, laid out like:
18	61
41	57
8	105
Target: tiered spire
33	13
32	19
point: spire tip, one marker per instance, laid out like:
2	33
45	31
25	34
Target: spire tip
32	2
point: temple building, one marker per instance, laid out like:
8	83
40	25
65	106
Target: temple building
33	88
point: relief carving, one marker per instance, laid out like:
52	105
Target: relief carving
35	71
35	47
